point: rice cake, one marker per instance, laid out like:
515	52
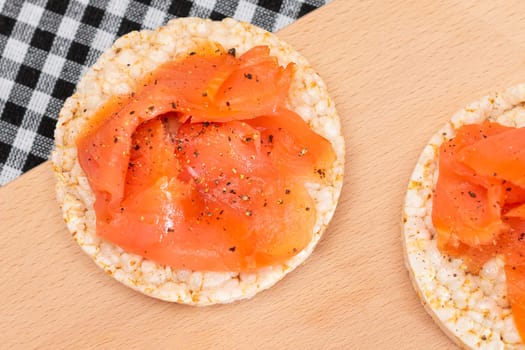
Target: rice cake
471	309
116	72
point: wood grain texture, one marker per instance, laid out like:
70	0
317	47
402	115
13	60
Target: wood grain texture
397	71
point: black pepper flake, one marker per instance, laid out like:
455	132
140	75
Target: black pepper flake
231	52
483	337
170	229
196	154
174	105
228	103
115	139
132	112
248	76
522	236
179	148
231	249
151	108
248	139
270	139
229	139
192	53
287	191
321	173
508	189
204	94
307	208
471	194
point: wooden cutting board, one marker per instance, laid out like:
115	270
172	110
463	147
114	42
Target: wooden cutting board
397	71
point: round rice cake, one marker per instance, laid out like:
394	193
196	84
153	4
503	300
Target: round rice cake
117	72
471	309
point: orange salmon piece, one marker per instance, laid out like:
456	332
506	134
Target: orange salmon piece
203	167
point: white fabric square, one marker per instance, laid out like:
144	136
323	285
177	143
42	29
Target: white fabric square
118	7
24	139
30	14
9	173
245	12
153	18
53	65
5	88
102	40
38	102
15	50
68	28
209	4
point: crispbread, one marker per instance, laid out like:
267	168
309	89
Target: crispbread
116	72
471	309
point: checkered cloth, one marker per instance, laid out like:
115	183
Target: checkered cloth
47	45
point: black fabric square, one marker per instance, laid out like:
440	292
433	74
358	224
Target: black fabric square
63	89
180	8
4	151
27	76
306	8
13	113
6	25
42	39
127	26
77	52
57	6
47	127
32	161
145	2
274	5
217	16
92	16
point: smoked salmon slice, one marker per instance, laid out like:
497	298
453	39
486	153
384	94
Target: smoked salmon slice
203	167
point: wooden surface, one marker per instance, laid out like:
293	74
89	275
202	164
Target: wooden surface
397	71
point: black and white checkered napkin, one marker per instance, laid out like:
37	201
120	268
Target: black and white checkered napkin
46	45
